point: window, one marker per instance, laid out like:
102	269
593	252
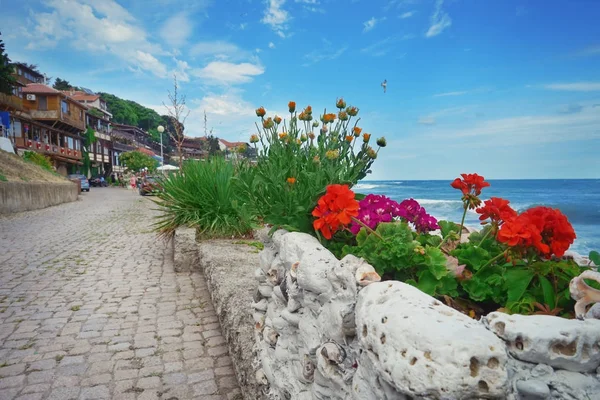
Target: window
17	128
19	71
42	103
61	140
45	136
81	115
70	142
64	106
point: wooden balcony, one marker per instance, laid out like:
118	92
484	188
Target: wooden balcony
11	102
50	149
55	115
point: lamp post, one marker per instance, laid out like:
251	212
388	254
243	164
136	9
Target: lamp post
160	130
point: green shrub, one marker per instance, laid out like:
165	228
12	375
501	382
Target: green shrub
203	197
295	165
3	178
38	159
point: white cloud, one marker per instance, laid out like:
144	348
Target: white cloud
181	70
574	87
590	51
407	14
450	94
308	1
148	62
218	48
440	20
384	46
271	45
426	120
370	24
95	26
327	53
176	30
276	17
220	72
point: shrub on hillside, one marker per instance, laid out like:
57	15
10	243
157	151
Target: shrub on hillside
38	159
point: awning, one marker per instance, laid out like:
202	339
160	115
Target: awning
65	159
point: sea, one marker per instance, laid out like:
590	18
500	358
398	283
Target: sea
578	199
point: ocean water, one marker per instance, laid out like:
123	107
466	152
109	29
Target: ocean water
578	199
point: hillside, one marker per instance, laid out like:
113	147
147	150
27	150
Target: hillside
131	113
14	168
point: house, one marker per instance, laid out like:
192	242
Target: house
236	149
23	75
130	138
48	122
101	152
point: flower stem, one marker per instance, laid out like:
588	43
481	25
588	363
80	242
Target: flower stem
358	221
462	222
486	235
491	261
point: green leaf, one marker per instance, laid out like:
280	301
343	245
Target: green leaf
594	256
447	226
474	256
517	282
477	289
427	282
548	291
435	262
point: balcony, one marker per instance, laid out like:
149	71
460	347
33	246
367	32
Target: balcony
58	116
11	101
50	149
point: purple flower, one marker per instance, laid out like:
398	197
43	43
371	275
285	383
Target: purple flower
375	209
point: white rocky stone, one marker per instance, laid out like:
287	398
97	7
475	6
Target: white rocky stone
542	339
426	349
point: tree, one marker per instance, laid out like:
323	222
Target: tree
136	161
7	81
60	84
178	113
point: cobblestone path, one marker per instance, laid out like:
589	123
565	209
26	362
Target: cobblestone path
90	308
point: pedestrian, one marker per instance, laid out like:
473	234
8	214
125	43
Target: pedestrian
133	182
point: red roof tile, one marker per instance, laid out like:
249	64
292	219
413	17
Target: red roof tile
39	88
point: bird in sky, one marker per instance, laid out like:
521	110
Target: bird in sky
384	85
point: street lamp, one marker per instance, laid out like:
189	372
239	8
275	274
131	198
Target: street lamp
160	130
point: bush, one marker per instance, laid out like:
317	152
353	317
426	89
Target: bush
203	197
295	165
38	159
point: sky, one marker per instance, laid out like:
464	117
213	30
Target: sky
509	89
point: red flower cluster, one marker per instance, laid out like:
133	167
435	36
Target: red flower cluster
334	210
497	210
470	183
543	228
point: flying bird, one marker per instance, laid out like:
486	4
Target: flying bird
384	85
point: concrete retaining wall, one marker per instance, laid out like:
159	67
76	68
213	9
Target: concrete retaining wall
25	196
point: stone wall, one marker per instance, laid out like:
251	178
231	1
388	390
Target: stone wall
25	196
327	329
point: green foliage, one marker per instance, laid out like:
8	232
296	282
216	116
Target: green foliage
131	113
395	254
288	151
136	161
88	140
6	79
3	178
203	197
61	84
594	257
38	159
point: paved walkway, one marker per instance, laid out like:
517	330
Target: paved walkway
90	308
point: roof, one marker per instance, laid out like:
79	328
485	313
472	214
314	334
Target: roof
81	96
40	88
231	144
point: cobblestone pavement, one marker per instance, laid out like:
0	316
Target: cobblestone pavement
90	308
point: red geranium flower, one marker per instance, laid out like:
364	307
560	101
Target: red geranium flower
496	209
470	183
543	228
334	210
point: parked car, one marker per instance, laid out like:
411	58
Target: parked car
85	184
95	181
148	185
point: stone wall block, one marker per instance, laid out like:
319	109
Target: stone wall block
572	345
426	349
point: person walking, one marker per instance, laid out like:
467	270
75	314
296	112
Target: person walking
133	182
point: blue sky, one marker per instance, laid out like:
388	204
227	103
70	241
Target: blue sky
507	89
